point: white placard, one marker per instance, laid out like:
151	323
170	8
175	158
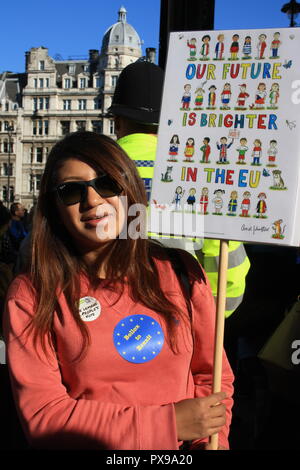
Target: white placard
228	157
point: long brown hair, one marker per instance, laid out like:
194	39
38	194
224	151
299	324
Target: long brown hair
56	265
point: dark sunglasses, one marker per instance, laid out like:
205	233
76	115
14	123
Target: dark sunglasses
73	192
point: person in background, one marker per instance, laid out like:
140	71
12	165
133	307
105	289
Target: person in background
7	256
16	229
136	108
7	251
102	349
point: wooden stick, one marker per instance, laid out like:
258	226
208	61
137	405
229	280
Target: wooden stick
219	328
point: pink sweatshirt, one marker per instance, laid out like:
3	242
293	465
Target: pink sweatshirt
104	400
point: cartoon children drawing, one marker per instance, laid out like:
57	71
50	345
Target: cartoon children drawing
218	201
242	96
205	47
189	149
186	98
247	48
232	204
193	49
223	147
261	207
199	97
274	95
205	149
256	152
234	48
212	97
219	49
261	46
245	206
226	96
204	201
275	45
272	153
242	149
173	149
260	97
191	199
179	193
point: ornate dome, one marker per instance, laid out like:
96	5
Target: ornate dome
121	34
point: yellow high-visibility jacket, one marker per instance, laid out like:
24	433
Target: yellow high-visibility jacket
142	149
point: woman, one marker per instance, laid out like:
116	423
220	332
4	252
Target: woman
101	349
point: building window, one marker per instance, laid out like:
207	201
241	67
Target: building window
111	126
47	82
116	37
11	197
35	82
7	169
81	105
97	126
40	127
97	103
67	105
41	83
35	107
4	193
114	80
98	82
41	103
65	127
72	68
39	155
47	102
67	83
34	182
41	65
8	147
38	178
7	125
7	106
86	68
82	82
81	125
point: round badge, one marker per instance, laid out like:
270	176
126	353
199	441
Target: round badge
138	338
89	308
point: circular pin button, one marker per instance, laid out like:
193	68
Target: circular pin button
89	308
138	338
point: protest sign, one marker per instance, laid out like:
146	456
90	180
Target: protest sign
228	155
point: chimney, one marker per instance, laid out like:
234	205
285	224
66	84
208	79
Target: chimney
93	55
27	60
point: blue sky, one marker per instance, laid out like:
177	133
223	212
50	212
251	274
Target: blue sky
69	28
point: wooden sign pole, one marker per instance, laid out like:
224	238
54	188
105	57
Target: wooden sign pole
219	328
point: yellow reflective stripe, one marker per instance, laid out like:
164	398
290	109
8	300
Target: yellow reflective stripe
235	258
145	172
232	304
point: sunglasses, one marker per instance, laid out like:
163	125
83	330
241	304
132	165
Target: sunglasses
73	192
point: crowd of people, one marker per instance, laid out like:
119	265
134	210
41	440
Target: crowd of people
15	225
109	338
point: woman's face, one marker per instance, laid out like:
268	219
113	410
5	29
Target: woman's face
94	221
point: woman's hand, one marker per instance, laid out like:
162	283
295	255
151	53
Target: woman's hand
197	418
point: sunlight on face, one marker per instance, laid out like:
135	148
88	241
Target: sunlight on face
94	221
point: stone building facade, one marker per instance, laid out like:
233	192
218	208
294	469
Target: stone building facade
55	97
